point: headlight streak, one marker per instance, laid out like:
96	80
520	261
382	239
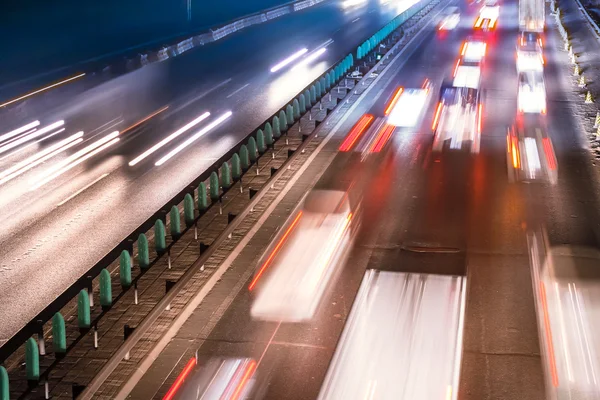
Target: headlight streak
18	131
78	158
40	157
31	136
309	59
42	90
169	138
289	60
193	138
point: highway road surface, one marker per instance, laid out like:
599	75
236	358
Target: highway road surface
70	197
448	214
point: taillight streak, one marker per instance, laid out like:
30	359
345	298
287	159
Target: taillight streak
515	153
242	384
383	136
437	116
549	153
356	131
551	356
479	117
393	102
275	251
478	22
180	379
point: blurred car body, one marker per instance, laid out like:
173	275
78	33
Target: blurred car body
402	340
567	294
457	119
530	155
221	379
305	257
406	111
450	19
531	97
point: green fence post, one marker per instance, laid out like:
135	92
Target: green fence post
252	149
202	198
268	129
175	222
307	99
188	210
214	187
4	384
269	138
328	81
276	127
59	331
350	60
289	115
32	359
83	310
318	90
105	290
143	251
260	141
226	175
125	269
283	122
302	105
313	94
236	167
160	236
296	109
245	157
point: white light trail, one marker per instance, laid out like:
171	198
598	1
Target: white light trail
78	161
289	60
193	138
40	157
312	57
32	135
168	139
41	90
20	130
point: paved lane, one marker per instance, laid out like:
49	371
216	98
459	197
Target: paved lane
71	222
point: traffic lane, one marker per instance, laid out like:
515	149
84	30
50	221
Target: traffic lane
256	48
285	344
570	209
271	90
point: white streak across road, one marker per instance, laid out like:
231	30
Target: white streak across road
169	138
289	60
30	136
20	130
89	185
238	90
195	137
76	159
40	157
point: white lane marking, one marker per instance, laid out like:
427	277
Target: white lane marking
109	122
83	189
195	99
356	20
239	90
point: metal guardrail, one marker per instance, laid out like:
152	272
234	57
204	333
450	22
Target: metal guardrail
589	18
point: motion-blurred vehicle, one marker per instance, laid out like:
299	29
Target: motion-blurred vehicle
531	97
472	52
488	16
530	155
567	292
450	19
296	270
407	105
402	340
221	379
529	52
532	15
457	119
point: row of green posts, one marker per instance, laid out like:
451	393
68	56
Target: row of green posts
230	172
